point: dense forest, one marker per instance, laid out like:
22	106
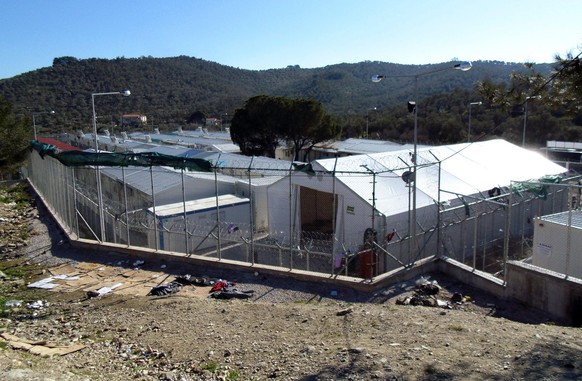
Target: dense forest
171	91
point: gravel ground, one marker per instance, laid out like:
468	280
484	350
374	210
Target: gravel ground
288	330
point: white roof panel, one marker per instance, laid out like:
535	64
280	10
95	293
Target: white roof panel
465	169
198	206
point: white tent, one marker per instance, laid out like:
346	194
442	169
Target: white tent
445	174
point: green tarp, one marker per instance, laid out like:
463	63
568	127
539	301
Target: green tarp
539	190
107	159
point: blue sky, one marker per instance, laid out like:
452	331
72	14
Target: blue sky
265	34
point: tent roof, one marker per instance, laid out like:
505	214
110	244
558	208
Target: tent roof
465	169
359	146
164	178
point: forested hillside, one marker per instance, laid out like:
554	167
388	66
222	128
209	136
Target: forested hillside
170	90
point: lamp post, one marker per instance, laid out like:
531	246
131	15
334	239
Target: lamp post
125	93
223	120
469	132
525	117
413	107
367	118
34	114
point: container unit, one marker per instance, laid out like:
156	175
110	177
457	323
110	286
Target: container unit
203	217
557	243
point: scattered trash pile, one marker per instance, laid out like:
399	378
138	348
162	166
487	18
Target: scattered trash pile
129	274
37	307
426	294
219	288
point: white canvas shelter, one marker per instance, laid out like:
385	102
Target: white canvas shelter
373	182
163	184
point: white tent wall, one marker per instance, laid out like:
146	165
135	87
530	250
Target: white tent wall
286	206
257	191
143	187
353	215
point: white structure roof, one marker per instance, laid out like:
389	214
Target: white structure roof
359	146
463	169
200	205
565	218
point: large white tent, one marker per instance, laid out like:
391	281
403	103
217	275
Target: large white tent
347	189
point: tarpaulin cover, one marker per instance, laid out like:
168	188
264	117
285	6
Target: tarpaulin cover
539	190
145	159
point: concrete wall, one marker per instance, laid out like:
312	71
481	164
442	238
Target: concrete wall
465	274
546	290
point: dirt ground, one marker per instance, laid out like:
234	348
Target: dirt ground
285	330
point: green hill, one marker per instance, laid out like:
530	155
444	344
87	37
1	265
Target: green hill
169	90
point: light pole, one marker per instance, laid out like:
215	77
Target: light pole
222	120
367	118
413	107
34	114
125	93
469	132
525	117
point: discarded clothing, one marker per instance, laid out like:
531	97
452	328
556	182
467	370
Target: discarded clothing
222	285
166	289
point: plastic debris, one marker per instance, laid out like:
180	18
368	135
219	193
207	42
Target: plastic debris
13	303
38	305
103	290
138	263
197	281
48	284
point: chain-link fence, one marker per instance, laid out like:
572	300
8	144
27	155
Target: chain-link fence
305	218
485	233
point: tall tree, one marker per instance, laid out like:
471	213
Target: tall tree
265	122
15	135
307	124
254	127
554	101
567	84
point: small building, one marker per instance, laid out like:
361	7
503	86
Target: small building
201	218
568	154
213	122
133	120
557	243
